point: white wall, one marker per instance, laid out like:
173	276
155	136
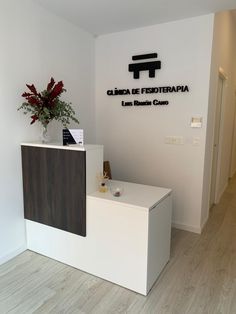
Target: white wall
134	138
223	55
233	67
35	45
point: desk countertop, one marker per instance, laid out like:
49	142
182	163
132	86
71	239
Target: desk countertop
60	146
135	195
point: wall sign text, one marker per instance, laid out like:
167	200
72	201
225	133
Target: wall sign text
154	102
148	90
151	67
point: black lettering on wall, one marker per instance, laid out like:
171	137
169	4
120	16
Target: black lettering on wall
146	56
150	66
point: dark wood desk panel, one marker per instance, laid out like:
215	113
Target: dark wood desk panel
54	183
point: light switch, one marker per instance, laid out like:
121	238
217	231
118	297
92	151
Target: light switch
196	141
196	122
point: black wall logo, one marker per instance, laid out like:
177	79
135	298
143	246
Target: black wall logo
150	66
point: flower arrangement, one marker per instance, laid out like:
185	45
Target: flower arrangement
47	105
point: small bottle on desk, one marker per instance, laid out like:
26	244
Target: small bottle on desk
103	188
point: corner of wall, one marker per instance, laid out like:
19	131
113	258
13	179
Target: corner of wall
209	137
7	257
189	228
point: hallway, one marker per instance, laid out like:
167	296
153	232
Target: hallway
200	277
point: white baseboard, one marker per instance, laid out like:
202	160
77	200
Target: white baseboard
187	227
12	254
221	192
204	223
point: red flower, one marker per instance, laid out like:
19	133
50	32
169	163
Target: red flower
26	95
50	84
33	100
32	89
34	118
57	90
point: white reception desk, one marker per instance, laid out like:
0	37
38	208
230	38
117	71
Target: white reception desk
127	239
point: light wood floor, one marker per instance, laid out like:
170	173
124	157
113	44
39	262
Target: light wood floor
200	277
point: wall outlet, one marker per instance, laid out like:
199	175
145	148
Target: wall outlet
174	140
168	139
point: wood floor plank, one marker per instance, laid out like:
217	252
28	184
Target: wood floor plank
200	277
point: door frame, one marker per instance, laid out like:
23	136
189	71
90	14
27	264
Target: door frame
232	140
221	75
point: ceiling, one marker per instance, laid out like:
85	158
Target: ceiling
108	16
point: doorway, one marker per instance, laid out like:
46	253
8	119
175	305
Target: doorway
233	144
217	137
